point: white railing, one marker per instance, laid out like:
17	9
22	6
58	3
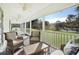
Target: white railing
56	39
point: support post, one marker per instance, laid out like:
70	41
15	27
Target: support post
1	18
30	27
43	24
25	27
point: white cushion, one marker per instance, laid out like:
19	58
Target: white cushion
11	35
57	52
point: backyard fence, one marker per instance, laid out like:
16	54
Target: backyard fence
56	39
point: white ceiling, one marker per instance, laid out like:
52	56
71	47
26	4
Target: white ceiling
29	11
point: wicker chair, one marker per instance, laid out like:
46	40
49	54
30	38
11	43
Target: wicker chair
35	37
13	42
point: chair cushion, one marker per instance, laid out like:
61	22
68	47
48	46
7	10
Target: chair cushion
35	33
11	35
16	42
34	39
19	37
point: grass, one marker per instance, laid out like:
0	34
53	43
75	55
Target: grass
56	38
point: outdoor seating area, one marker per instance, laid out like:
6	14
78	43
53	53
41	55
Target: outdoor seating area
16	46
39	29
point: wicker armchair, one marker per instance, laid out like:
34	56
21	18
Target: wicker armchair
35	37
13	42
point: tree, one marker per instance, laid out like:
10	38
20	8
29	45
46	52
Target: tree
70	18
77	9
70	21
58	25
77	18
46	25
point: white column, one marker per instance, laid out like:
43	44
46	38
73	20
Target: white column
1	19
25	27
9	25
21	27
43	24
30	27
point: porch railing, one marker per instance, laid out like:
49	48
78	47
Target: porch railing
56	39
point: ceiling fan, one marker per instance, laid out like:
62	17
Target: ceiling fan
26	7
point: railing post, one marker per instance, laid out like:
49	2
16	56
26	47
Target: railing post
61	38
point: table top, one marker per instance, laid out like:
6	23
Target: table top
33	48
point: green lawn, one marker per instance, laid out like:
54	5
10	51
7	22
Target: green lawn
56	38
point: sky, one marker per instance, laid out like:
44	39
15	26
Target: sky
60	16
